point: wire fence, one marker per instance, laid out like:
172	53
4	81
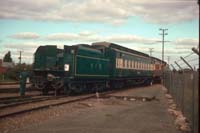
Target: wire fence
182	82
183	86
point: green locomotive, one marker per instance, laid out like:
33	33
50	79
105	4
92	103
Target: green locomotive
95	67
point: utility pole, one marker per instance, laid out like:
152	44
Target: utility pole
163	41
150	51
168	59
20	57
163	33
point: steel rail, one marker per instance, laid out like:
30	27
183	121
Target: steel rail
52	104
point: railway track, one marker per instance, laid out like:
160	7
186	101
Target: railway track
34	104
17	101
15	109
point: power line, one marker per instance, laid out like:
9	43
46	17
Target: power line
189	55
194	59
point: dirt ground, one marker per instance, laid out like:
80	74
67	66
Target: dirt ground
110	115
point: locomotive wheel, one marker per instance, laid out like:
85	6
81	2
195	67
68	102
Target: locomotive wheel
67	90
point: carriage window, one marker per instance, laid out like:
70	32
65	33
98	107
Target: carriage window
129	64
136	64
142	65
132	64
117	63
124	64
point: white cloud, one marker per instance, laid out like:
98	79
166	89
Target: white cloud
86	33
186	43
91	37
20	46
107	11
25	35
130	39
181	46
62	36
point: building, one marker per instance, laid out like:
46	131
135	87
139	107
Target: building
8	64
2	68
5	65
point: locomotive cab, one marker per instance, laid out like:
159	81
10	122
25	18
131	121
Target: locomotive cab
47	67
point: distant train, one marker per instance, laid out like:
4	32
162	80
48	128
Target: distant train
95	67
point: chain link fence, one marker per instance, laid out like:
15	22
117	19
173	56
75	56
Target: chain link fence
183	86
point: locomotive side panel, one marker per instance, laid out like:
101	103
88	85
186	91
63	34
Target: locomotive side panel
90	63
86	66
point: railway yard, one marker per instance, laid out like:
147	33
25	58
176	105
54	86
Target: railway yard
139	109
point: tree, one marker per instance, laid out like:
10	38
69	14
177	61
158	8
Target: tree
7	57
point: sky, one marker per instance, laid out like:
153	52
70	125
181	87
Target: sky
27	24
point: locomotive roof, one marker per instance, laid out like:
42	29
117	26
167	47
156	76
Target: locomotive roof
44	47
113	45
158	59
87	47
116	46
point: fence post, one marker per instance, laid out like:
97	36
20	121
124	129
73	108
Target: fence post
183	92
193	82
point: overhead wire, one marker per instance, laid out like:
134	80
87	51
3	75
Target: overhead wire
189	55
194	59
